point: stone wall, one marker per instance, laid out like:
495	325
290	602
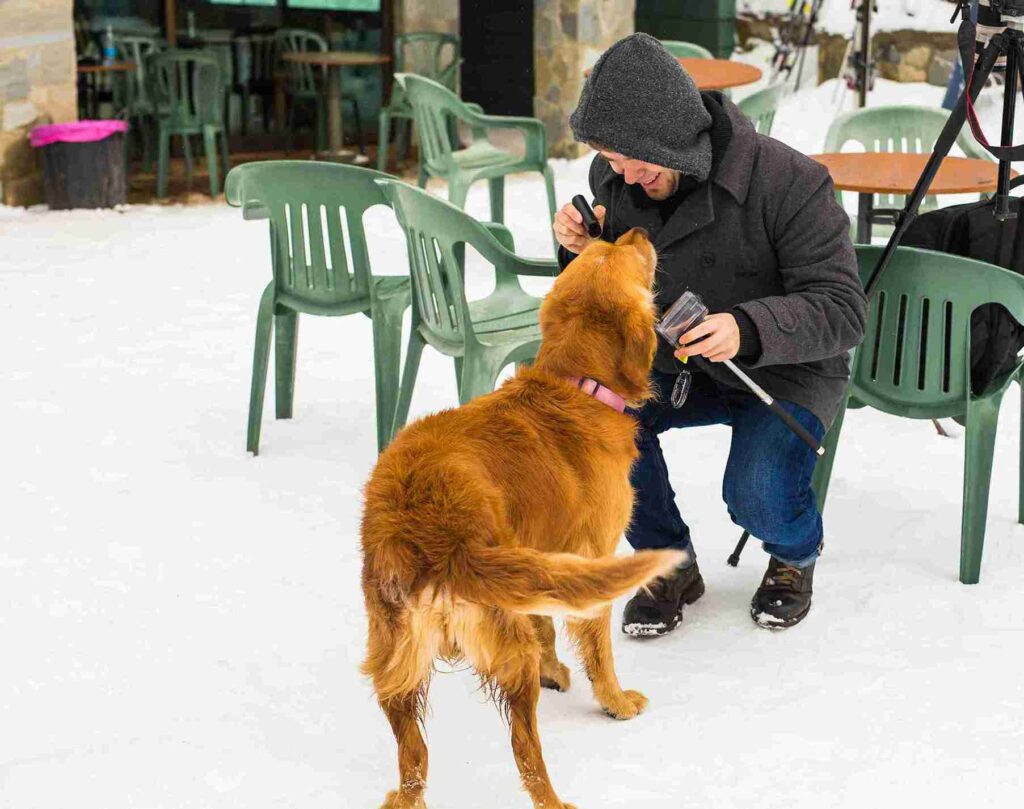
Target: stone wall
427	15
569	36
37	85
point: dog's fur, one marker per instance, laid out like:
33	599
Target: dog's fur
480	521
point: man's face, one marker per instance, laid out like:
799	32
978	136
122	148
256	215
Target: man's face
657	182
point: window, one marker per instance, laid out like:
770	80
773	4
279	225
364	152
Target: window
269	3
336	5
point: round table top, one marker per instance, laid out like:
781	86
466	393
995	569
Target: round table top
114	67
337	58
719	74
895	173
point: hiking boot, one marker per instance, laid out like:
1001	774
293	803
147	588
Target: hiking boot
658	608
784	597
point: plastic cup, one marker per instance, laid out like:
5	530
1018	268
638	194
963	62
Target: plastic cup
680	317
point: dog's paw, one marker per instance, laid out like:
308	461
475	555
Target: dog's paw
396	800
555	677
625	705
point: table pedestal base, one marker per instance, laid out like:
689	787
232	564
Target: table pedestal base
342	156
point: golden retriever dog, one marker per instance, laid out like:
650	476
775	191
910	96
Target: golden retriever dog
481	522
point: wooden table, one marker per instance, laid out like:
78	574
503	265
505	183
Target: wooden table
333	62
870	173
89	76
719	74
715	74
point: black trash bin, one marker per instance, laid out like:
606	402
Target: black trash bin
83	163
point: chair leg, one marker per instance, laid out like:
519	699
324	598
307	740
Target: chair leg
246	110
387	362
186	146
457	193
479	373
225	154
210	146
260	359
359	126
383	131
823	469
982	421
458	373
421	177
412	365
1020	481
163	161
286	344
496	186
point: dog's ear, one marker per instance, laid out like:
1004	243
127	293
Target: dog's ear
639	344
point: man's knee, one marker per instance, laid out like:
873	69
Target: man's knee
764	509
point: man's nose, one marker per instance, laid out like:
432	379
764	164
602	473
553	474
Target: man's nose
632	174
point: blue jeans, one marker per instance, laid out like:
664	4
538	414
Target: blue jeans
767	481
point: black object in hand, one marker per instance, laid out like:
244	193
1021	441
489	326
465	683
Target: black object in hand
579	202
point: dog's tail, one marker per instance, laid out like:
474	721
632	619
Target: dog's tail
529	581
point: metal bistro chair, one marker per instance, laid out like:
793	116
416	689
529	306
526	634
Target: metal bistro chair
187	91
760	107
424	53
915	362
316	213
435	107
482	336
900	128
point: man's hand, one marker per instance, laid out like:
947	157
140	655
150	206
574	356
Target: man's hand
719	337
569	230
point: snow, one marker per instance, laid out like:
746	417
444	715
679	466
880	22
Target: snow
183	622
838	17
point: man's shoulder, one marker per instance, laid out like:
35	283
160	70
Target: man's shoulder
783	167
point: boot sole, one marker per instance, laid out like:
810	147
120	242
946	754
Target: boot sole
690	595
773	624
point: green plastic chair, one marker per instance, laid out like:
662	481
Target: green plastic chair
898	128
187	92
138	108
686	50
435	107
760	107
915	362
482	336
306	83
425	53
307	203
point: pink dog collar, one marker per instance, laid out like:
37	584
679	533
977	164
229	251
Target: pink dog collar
592	387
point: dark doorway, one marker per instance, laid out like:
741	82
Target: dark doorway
497	48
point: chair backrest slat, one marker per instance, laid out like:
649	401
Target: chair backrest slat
433	107
314	209
916	350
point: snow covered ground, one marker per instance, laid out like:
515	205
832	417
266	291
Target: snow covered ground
182	623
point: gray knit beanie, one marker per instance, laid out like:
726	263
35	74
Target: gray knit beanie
638	101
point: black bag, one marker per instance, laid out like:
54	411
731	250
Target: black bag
973	232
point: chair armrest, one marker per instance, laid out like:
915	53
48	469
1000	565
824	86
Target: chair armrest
510	262
533	131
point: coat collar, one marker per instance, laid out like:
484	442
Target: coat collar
731	170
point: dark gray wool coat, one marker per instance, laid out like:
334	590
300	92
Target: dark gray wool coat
764	235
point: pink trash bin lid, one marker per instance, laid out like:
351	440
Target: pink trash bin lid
76	132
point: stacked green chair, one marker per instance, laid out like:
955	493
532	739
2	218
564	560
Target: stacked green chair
187	91
901	128
435	107
482	336
254	60
760	107
915	363
424	53
306	83
306	203
686	50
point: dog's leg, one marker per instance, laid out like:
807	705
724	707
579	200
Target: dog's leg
504	650
404	715
593	639
553	675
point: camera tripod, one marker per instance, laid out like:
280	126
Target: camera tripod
1008	44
